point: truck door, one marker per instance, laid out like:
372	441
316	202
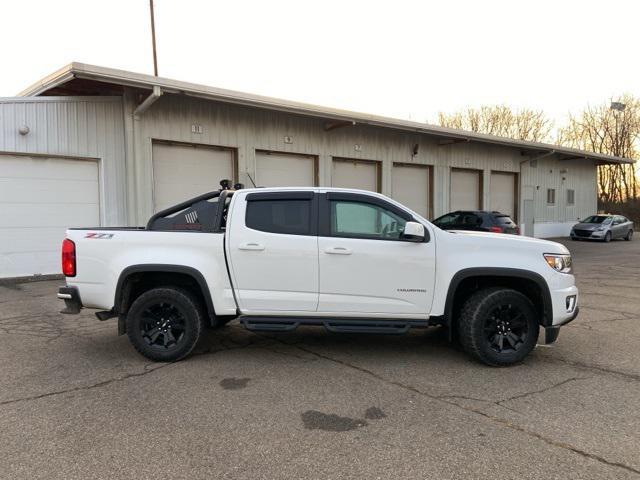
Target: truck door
365	265
273	251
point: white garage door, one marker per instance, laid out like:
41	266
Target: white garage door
39	199
410	186
181	172
355	174
284	170
465	190
503	192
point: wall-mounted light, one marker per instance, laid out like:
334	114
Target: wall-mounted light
357	148
288	139
23	130
416	149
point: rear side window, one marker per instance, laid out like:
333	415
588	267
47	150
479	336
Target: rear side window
504	220
292	217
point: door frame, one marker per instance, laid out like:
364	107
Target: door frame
516	191
377	163
429	169
480	173
315	158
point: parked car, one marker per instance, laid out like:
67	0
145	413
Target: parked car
347	260
478	220
603	227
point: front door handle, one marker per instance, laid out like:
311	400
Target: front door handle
338	250
251	246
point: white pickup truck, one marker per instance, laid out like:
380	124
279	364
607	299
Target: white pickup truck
348	260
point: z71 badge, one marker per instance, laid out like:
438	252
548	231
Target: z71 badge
103	236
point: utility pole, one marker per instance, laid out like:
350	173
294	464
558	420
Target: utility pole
153	39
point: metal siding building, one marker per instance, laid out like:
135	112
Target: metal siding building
156	141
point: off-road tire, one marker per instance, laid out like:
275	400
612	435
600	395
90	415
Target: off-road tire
176	305
479	310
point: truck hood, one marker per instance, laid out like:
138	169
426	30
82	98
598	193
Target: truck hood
501	240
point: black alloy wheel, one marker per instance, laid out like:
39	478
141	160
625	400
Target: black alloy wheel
162	326
505	328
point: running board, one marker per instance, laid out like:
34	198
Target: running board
334	325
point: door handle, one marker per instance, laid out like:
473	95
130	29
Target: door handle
251	246
338	250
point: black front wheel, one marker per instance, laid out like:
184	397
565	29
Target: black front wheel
607	237
165	324
498	326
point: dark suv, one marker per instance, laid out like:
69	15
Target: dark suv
479	220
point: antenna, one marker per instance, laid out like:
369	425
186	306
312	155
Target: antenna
254	183
153	39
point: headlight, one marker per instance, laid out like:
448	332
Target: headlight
600	229
560	263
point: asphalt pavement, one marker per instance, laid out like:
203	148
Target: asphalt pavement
76	400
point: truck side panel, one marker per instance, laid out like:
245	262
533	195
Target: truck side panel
102	258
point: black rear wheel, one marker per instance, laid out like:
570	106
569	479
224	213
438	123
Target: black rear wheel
498	326
629	235
165	324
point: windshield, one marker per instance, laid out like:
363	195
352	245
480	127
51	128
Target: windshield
595	219
458	219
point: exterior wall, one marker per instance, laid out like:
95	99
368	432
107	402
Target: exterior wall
72	127
247	130
562	175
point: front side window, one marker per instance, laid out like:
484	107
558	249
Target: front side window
364	220
292	217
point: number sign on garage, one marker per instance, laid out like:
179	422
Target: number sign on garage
411	186
39	199
503	192
466	189
182	171
361	174
275	169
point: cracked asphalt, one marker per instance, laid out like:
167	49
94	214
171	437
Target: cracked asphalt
76	401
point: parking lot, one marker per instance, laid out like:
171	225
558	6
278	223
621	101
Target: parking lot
76	401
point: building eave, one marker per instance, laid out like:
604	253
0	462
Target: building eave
148	82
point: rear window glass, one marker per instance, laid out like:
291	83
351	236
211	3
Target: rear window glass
458	219
292	217
504	220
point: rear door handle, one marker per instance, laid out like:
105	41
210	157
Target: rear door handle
251	246
338	250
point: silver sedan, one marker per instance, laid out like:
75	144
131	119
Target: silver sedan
603	227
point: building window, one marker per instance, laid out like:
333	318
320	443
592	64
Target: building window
551	196
571	197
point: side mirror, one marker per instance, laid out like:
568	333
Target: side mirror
413	231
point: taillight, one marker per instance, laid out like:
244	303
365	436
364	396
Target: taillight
68	258
495	230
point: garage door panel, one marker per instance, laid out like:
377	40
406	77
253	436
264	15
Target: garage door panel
285	170
465	190
39	199
502	192
23	167
410	186
30	190
181	172
355	174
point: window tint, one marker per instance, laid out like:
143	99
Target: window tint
551	196
571	197
468	219
364	220
291	217
504	220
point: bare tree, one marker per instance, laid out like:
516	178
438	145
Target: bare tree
500	120
611	131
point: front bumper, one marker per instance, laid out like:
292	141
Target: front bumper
71	297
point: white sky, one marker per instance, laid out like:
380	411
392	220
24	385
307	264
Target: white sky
406	59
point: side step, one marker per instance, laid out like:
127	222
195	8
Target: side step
334	325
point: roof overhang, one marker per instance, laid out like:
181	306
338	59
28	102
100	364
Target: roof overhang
151	83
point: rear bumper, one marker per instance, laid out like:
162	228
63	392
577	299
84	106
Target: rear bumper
71	297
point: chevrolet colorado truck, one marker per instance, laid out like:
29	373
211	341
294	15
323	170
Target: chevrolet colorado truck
348	260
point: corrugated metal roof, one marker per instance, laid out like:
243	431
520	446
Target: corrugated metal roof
139	80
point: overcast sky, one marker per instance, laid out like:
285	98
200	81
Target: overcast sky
406	59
